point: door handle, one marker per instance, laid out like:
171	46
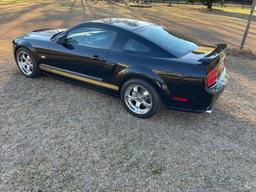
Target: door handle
96	57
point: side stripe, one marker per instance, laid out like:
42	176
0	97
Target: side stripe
72	75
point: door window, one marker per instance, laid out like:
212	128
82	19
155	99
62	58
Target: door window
91	37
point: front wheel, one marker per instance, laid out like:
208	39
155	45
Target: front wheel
140	98
27	63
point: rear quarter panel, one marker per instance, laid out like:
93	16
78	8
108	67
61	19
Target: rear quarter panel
171	76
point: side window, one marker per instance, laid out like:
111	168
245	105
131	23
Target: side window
133	45
91	37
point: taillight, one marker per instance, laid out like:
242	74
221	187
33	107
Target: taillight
212	77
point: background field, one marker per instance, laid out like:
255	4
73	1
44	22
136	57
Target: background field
55	136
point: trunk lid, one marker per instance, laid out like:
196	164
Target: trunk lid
212	57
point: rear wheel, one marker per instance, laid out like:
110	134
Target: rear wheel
140	98
27	63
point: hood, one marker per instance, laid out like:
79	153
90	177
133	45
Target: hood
43	34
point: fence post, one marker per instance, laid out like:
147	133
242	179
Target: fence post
248	24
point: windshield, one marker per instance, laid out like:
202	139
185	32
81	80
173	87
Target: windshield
58	31
172	43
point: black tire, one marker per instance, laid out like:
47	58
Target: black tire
156	101
36	70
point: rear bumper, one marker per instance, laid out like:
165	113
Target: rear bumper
192	110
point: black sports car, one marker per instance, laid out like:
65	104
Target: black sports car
141	62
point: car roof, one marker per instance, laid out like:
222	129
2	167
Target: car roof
127	24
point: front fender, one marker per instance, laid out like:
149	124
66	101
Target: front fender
23	43
145	74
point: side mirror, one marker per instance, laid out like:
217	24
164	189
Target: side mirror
61	39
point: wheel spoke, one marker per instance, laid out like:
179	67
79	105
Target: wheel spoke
131	97
23	58
145	93
28	60
24	66
135	90
28	67
147	105
21	64
137	104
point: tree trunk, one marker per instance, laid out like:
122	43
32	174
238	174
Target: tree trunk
248	24
222	3
209	4
243	3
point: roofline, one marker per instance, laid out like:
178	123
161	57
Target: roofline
99	21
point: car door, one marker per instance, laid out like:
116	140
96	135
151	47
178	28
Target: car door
84	52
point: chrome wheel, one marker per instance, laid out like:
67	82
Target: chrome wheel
25	62
138	99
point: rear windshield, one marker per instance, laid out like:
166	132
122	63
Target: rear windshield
170	42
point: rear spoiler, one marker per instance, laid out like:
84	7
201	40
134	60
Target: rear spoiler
214	54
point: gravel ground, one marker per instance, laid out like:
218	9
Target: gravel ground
55	136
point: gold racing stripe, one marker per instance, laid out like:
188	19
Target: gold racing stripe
204	49
77	77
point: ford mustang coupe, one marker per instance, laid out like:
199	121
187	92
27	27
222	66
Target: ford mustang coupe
140	62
